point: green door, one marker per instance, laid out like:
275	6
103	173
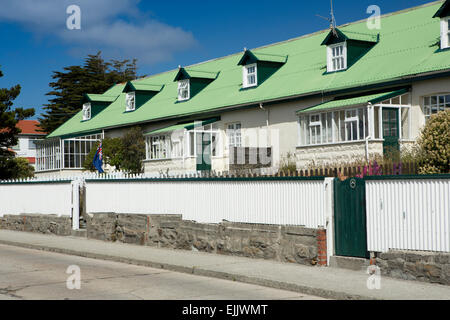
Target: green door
203	151
390	131
350	218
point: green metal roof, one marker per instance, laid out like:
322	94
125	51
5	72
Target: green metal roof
407	47
187	126
351	35
372	98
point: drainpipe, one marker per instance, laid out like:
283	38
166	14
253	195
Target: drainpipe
267	121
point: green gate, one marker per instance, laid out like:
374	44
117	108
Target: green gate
350	218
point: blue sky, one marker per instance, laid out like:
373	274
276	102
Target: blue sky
160	34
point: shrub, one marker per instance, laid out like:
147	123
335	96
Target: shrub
434	144
125	153
288	164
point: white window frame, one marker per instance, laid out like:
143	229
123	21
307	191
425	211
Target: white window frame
445	33
427	108
331	58
234	134
182	89
130	101
313	125
347	124
158	147
86	111
246	75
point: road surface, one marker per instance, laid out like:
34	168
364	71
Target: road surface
33	274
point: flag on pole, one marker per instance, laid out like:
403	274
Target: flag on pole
98	159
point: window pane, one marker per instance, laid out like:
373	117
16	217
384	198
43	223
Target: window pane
396	100
433	100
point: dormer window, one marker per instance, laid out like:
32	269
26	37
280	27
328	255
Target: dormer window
183	90
445	37
249	76
444	14
345	48
130	101
86	111
337	57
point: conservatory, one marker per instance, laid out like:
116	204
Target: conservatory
69	153
357	127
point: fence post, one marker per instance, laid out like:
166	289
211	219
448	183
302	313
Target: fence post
75	204
329	214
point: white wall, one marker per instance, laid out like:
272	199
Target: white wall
408	214
293	202
36	198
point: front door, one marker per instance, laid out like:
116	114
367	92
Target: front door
391	129
203	151
350	218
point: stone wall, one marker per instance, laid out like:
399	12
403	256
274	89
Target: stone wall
415	265
281	243
336	153
47	224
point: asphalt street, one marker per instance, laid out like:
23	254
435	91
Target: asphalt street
34	274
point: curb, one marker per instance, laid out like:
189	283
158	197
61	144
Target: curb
328	294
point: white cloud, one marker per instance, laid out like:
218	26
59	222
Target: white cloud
105	25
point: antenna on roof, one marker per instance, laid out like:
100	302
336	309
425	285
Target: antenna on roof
332	19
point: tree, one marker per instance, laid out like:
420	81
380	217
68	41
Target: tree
125	153
133	150
434	144
95	76
112	154
9	166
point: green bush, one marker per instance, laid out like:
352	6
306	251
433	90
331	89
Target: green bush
112	154
434	144
15	168
125	153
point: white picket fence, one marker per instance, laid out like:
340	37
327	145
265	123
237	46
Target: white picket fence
286	202
408	214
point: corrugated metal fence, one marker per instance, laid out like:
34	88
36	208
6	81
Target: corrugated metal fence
408	214
36	197
287	201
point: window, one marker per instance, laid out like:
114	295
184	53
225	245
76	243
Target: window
159	147
434	104
337	57
86	111
183	90
314	128
130	101
234	134
351	125
448	33
70	153
249	73
334	127
31	144
445	33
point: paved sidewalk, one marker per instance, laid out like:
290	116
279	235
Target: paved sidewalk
325	282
